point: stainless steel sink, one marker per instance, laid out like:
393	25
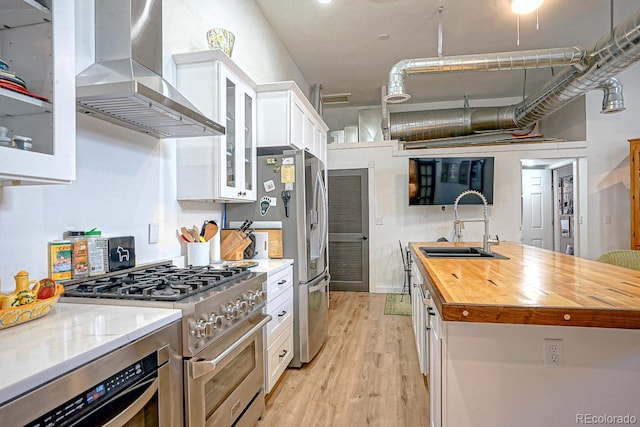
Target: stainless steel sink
458	252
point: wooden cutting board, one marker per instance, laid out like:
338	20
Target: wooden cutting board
275	240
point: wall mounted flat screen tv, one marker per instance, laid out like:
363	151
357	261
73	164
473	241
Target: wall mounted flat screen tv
439	180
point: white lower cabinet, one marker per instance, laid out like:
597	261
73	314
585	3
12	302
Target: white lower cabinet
279	331
420	301
435	368
278	356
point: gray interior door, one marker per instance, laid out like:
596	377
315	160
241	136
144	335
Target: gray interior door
348	230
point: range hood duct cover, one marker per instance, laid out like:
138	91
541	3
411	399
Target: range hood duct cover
609	56
125	85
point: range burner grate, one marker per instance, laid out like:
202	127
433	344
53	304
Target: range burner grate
162	283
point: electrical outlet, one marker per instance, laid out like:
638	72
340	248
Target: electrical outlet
379	221
553	354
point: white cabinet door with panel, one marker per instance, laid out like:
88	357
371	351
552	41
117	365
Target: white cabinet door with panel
279	331
37	46
221	168
286	119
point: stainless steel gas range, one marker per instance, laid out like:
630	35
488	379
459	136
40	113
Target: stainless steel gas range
222	324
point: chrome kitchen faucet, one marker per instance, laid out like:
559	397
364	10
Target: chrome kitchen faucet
487	241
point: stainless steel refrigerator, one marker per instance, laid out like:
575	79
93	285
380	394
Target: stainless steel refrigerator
296	180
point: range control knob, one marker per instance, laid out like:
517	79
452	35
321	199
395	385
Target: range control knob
232	312
242	306
250	297
260	296
217	321
212	323
198	330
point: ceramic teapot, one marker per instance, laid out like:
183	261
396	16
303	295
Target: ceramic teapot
24	293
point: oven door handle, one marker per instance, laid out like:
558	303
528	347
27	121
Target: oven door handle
203	367
127	415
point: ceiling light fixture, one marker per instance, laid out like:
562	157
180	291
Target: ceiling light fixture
522	7
325	1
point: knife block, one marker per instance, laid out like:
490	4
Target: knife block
233	245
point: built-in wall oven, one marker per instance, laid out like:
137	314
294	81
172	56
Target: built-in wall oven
136	385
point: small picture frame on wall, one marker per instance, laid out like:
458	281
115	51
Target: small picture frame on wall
568	249
565	227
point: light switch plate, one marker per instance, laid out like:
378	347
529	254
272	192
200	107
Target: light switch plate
154	233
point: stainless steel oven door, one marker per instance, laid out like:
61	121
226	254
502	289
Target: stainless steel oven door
226	379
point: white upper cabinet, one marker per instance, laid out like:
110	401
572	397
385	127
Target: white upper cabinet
37	44
287	119
220	168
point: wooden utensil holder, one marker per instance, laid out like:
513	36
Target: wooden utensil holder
233	245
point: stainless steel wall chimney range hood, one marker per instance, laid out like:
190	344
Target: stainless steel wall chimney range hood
125	85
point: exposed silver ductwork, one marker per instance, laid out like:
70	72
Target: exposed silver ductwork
610	55
522	60
125	85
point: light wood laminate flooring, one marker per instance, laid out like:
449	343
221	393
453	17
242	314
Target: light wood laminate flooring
367	374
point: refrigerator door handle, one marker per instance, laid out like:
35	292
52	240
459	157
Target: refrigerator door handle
320	286
325	213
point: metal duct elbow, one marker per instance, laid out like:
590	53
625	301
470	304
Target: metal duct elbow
612	100
519	60
609	56
395	89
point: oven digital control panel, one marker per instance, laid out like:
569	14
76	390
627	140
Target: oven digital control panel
84	403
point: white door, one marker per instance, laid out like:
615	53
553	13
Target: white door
537	209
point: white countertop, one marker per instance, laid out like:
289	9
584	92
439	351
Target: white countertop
269	266
69	336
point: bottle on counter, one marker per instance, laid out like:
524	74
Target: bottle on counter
98	252
79	253
60	268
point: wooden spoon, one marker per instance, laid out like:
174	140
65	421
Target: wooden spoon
187	235
210	230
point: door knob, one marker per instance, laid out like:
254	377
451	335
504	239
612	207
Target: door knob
364	237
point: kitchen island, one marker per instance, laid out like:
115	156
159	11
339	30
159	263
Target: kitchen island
537	339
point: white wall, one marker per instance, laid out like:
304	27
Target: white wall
605	153
126	180
257	49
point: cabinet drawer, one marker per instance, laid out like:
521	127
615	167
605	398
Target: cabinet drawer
278	283
282	312
278	357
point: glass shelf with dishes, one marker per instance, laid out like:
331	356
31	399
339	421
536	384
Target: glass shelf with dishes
37	92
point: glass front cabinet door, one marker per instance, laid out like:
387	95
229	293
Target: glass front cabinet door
218	168
37	92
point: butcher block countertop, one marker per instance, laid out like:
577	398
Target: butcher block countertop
534	286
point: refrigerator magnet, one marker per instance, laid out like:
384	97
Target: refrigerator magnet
288	161
265	203
269	185
287	173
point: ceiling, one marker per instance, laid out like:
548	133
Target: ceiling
337	45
